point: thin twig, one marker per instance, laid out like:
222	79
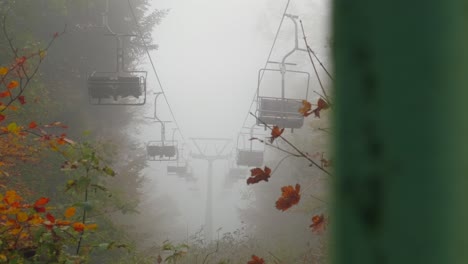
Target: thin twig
294	147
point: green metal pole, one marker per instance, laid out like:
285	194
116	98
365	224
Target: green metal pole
401	185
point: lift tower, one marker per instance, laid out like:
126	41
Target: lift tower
215	152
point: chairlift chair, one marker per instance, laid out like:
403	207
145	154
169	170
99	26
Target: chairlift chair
119	87
282	111
181	166
161	150
248	155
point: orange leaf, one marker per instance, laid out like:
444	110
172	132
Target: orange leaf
275	133
32	125
318	223
5	94
257	175
256	260
289	197
41	202
13	84
78	226
62	223
306	107
91	227
70	212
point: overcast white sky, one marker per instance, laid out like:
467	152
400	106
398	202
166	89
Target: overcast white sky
209	56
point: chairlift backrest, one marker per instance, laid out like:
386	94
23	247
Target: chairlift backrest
282	111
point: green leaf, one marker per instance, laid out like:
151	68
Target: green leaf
108	171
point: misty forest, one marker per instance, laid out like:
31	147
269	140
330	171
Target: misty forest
136	131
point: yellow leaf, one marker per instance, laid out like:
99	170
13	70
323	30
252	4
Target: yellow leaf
13	128
91	227
15	231
70	212
42	54
22	217
36	220
3	258
3	70
11	197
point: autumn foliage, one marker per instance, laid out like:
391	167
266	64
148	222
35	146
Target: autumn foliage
290	196
257	175
20	222
275	133
306	108
256	260
318	223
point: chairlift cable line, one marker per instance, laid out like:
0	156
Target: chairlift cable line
313	65
154	68
269	56
321	64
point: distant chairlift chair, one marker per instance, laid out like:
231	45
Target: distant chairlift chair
161	150
120	87
181	166
282	111
247	155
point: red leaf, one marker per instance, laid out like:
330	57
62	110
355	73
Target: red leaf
50	217
5	94
275	133
21	99
56	34
289	197
256	260
40	209
321	104
258	175
318	223
2	117
40	203
20	61
32	125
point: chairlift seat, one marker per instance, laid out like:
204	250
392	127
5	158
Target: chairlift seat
113	88
154	150
249	158
177	169
280	112
101	86
168	151
129	86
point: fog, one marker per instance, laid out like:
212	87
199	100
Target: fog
156	175
208	60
